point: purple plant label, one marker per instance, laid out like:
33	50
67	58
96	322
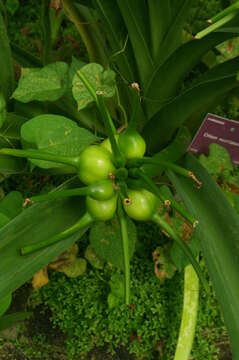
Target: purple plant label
216	129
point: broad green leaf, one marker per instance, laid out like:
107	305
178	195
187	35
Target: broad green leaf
9	320
12	204
38	222
55	134
167	78
216	82
86	117
137	24
106	240
99	79
6	64
218	161
46	84
218	234
5	302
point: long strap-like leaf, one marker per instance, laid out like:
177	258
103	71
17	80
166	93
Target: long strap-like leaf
218	234
167	77
85	24
33	225
116	32
173	37
218	81
6	64
160	16
134	14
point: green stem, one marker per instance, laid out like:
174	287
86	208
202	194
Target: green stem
156	190
125	242
168	165
88	86
85	221
189	314
111	131
224	12
134	115
186	250
216	25
41	155
46	31
109	125
84	191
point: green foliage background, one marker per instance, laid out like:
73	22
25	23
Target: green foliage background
79	306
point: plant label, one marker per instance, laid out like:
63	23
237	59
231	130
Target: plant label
216	129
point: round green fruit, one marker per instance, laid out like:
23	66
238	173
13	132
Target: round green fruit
140	204
102	190
107	145
95	165
131	144
101	210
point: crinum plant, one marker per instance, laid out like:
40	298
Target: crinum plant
131	93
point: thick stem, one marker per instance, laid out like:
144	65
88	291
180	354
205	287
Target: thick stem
84	191
189	314
168	165
85	221
156	190
224	12
216	25
111	131
125	243
186	250
41	155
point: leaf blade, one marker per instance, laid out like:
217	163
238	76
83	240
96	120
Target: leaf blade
32	225
210	87
218	232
